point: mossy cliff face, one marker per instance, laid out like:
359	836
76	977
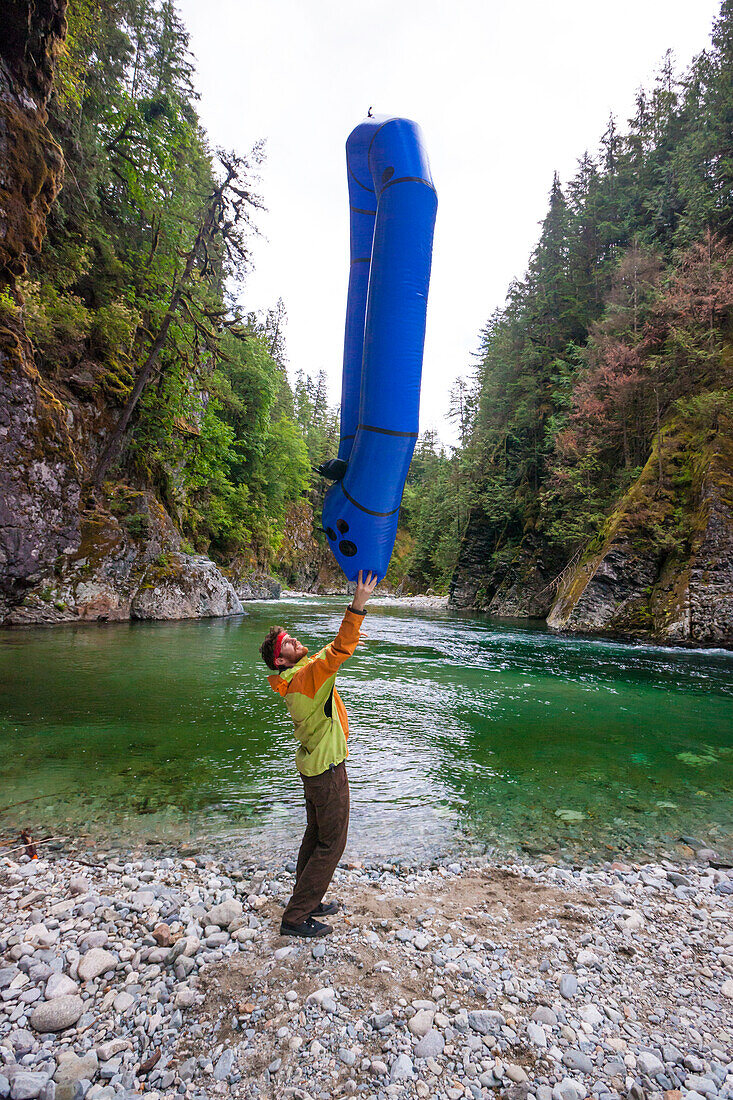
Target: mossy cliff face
39	474
519	587
664	564
32	35
662	567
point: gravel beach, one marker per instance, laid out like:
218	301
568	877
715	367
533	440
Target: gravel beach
457	979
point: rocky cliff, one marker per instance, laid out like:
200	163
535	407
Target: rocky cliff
305	563
66	554
39	475
664	566
515	585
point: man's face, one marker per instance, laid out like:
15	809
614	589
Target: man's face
291	651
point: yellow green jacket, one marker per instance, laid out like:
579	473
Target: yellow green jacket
309	691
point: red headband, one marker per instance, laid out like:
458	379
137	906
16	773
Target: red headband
278	645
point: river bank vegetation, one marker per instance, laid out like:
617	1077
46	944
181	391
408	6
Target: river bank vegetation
128	302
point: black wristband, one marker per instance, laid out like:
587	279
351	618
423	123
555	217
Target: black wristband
350	608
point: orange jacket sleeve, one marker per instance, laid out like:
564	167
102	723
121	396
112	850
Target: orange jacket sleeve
325	664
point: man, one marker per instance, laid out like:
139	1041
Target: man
308	686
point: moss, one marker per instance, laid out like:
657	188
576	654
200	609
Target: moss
101	539
122	500
31	178
161	570
117	380
138	525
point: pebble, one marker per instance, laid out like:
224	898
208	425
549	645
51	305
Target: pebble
485	1021
431	1045
71	1069
543	1015
568	986
401	1069
96	962
591	1015
649	1064
576	1059
57	1014
421	1023
27	1085
536	1034
60	985
224	1065
122	1002
568	1089
225	913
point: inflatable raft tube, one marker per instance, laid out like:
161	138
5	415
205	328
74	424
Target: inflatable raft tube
393	205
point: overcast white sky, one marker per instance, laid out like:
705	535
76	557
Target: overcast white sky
505	92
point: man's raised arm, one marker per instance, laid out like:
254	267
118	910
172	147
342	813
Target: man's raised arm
362	592
330	659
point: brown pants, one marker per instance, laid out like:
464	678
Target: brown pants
324	840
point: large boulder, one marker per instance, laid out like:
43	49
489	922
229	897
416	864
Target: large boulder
98	579
128	564
187	586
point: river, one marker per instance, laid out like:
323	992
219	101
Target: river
466	732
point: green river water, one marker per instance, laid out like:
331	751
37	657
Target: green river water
465	732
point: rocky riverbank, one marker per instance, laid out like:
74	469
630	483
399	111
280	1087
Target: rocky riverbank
424	602
458	979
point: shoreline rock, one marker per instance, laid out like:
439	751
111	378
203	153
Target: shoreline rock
129	565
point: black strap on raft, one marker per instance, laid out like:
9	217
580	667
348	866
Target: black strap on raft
333	470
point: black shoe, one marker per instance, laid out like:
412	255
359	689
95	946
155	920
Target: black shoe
308	928
325	910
